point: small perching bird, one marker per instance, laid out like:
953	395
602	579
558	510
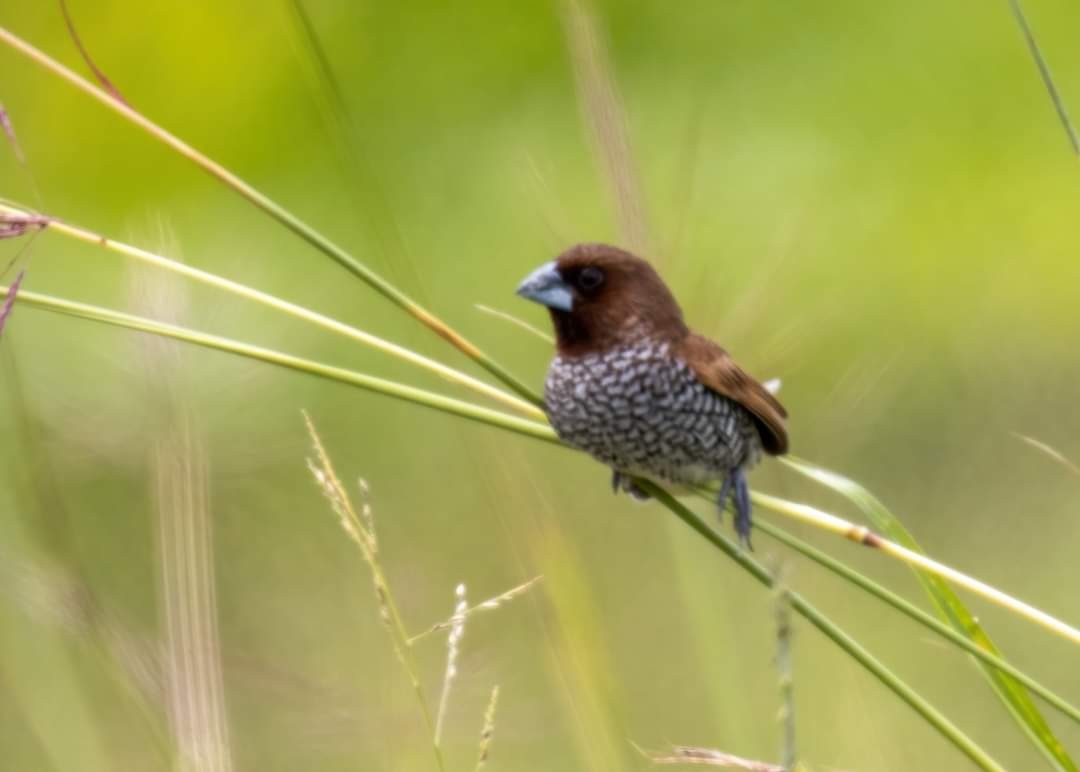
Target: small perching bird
635	388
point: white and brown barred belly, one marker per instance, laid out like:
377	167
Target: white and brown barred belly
644	412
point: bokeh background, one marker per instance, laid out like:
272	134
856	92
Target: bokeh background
874	202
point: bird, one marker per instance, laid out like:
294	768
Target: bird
633	386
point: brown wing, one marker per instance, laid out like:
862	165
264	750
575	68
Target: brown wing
717	370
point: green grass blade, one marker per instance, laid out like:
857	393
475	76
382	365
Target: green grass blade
809	612
1011	692
368	382
915	613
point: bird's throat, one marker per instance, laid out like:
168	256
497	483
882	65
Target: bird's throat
571	333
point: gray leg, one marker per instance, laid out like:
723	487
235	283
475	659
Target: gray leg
742	506
725	494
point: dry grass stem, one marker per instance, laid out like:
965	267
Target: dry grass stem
488	605
194	685
606	120
860	534
367	514
1054	453
508	317
488	731
453	648
784	672
9	131
360	529
85	54
707	757
5	310
15	223
193	680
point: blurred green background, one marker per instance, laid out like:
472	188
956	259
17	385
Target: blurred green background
874	202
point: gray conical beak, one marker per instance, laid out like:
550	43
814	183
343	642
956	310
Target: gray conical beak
546	287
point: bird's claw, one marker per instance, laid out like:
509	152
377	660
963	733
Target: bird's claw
624	482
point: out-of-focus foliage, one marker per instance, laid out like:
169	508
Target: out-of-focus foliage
875	203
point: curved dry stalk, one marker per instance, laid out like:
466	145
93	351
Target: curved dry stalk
1050	451
508	317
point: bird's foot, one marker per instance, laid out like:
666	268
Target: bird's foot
736	488
624	482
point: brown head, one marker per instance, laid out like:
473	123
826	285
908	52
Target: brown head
601	296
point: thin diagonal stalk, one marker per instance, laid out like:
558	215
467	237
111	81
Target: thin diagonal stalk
367	382
809	612
785	672
863	535
518	322
1045	74
1050	451
278	304
275	210
85	54
914	612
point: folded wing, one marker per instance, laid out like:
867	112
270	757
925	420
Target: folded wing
716	369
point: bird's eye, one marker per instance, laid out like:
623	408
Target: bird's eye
590	278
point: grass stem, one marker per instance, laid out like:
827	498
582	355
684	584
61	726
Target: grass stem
359	530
